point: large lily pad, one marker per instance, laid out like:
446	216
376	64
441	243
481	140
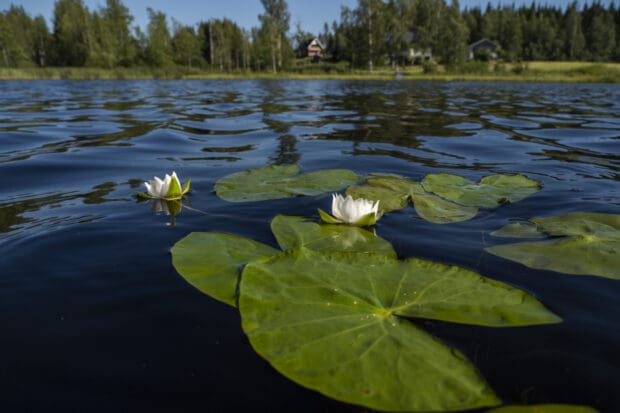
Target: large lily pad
438	210
211	261
580	223
544	408
281	181
394	192
491	191
389	200
338	323
294	232
589	244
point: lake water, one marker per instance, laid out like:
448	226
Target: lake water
95	318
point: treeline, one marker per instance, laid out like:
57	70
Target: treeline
375	33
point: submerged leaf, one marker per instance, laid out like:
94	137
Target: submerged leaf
212	261
281	181
589	245
328	321
295	232
491	191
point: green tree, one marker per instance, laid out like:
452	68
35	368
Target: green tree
159	44
274	26
72	37
41	42
574	39
16	38
185	45
117	22
601	36
453	35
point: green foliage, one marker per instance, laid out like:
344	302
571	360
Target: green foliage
298	232
327	322
210	261
71	33
281	181
444	198
491	191
374	33
334	312
159	47
582	244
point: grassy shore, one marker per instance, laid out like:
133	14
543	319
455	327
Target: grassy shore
474	71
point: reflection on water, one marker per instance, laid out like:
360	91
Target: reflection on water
75	242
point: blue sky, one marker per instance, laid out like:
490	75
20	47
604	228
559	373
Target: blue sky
311	13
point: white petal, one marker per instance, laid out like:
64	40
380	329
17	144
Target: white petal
337	201
351	210
149	188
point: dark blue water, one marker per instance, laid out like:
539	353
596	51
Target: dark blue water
95	318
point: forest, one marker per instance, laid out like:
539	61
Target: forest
375	33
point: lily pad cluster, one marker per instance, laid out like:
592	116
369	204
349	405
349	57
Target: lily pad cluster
445	198
335	310
281	181
580	243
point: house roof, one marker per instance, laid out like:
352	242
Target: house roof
316	42
484	43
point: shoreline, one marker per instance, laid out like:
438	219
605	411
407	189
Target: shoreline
554	72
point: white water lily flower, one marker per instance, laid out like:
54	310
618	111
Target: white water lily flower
168	188
361	212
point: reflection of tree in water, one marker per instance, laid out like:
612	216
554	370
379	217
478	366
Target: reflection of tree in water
12	213
287	152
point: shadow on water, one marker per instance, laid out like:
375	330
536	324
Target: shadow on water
96	316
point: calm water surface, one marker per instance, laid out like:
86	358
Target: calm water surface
95	318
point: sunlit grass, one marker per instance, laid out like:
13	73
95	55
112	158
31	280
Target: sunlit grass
528	71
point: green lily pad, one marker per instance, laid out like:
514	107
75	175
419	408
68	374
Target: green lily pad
580	223
438	210
389	200
589	244
281	181
544	408
212	261
339	323
578	255
295	232
394	192
491	191
518	230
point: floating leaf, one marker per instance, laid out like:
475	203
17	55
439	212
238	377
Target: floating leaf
491	191
544	408
590	245
281	181
394	192
518	230
580	223
389	200
294	232
438	210
578	255
211	261
338	323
